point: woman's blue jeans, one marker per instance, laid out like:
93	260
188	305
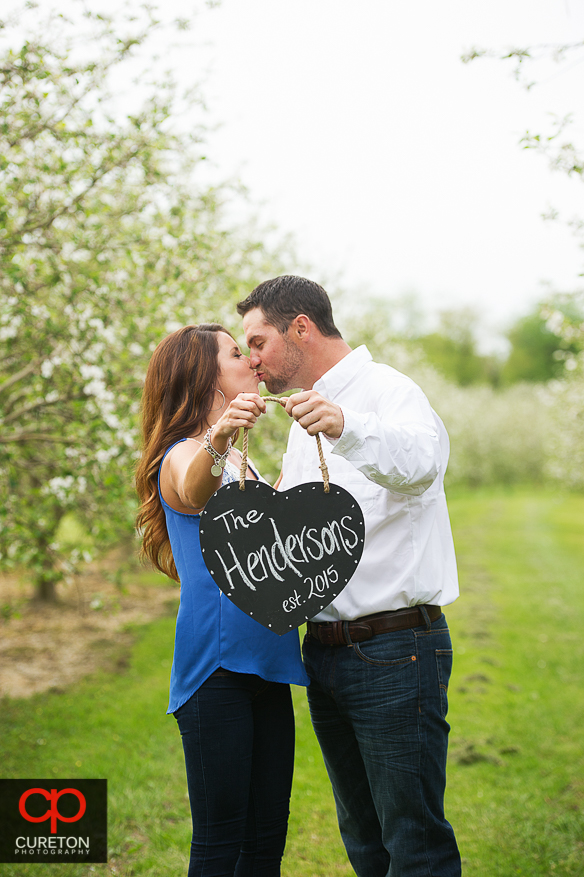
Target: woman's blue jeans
238	738
379	711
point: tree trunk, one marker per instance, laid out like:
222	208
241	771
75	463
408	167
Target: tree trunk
47	575
46	590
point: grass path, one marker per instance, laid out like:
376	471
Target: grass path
516	778
516	783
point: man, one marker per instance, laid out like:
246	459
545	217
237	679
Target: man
379	657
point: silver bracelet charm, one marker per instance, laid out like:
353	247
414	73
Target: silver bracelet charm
219	460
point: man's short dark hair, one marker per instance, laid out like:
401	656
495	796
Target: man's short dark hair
283	298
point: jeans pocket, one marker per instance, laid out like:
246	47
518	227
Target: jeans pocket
380	657
444	667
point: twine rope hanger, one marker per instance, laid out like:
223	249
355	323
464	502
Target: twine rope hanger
243	470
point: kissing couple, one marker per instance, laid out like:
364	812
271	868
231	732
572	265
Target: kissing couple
376	661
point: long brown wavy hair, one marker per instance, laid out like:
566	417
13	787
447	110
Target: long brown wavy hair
178	395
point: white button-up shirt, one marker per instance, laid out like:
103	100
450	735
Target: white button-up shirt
391	457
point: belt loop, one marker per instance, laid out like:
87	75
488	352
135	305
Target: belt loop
346	635
425	615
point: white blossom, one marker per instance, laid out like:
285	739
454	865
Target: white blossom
112	420
108	333
91	371
93	353
555	322
95	388
10	330
60	486
40	312
104	455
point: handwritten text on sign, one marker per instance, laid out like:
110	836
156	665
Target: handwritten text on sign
282	557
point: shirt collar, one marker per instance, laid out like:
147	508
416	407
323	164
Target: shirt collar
337	377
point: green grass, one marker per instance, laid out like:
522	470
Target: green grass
114	727
516	777
516	781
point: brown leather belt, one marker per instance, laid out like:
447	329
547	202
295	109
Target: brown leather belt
343	633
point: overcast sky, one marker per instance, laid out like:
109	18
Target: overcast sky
357	128
396	165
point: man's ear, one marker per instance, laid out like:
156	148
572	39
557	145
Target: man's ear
301	327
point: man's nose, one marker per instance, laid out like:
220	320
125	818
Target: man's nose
254	359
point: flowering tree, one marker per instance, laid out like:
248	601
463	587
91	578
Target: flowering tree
565	398
563	313
107	243
496	435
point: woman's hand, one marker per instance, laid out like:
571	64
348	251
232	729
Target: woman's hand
191	477
242	413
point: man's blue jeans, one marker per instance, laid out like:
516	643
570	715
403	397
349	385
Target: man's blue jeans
238	739
379	711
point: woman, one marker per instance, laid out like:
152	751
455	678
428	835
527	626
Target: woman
229	686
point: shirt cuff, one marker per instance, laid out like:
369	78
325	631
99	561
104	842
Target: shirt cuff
351	438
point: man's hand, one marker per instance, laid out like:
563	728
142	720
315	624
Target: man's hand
316	414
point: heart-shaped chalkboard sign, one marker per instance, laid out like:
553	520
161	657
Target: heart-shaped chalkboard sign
282	557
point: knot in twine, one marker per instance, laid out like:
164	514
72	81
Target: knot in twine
242	472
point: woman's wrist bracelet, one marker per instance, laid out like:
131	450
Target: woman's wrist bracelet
219	460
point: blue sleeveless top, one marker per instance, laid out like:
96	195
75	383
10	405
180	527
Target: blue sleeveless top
211	632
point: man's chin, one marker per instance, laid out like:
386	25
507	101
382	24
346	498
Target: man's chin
274	386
